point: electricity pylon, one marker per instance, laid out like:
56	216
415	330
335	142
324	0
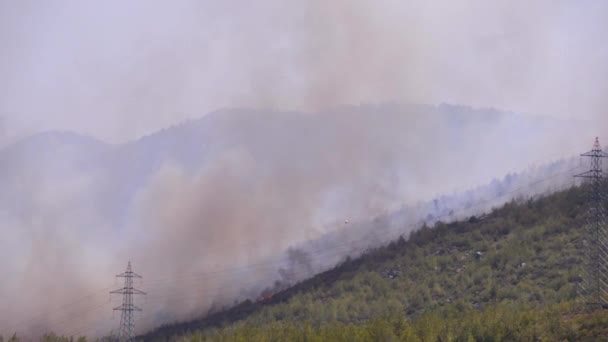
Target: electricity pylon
127	324
593	285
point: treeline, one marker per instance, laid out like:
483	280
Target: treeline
501	322
57	338
49	338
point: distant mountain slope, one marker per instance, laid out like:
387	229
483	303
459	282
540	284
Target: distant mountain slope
390	142
516	264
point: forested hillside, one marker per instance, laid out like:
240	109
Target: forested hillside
507	275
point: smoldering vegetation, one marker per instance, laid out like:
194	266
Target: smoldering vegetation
241	203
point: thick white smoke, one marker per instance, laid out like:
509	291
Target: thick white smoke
206	210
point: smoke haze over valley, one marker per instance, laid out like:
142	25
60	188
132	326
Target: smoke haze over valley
227	148
238	188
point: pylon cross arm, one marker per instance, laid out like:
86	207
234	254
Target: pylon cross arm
128	275
590	174
130	307
120	291
596	154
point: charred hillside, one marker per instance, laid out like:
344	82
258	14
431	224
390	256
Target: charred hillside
518	261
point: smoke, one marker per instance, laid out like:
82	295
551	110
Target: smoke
218	209
278	207
221	209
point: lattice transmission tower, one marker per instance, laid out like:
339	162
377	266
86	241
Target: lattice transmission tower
593	284
127	324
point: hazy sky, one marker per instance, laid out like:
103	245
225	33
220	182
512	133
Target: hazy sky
119	69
